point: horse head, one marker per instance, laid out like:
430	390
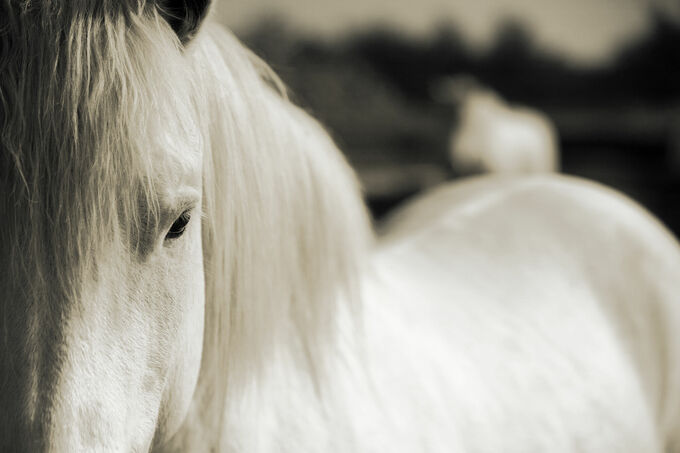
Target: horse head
170	227
102	299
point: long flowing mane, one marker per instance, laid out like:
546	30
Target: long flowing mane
284	234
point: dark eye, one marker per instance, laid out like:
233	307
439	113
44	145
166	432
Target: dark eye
178	227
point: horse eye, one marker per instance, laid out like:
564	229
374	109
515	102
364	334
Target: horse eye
178	227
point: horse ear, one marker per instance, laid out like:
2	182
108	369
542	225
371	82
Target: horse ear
184	16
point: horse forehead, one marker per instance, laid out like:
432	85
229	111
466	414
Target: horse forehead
178	147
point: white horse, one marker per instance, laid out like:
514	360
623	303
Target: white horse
492	136
187	266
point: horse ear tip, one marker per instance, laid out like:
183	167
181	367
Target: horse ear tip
185	16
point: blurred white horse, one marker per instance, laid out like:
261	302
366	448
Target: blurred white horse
494	137
187	265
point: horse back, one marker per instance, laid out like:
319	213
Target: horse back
561	246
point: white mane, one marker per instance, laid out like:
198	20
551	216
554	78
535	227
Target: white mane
285	230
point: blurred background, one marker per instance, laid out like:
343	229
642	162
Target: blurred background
416	93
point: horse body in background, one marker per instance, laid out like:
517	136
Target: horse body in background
188	266
494	137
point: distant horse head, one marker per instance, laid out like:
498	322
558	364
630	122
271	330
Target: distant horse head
164	227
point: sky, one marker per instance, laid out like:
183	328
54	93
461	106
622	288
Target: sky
586	32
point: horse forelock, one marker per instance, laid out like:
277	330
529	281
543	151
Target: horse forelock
81	95
82	84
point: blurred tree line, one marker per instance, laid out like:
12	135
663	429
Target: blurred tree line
618	122
374	88
645	70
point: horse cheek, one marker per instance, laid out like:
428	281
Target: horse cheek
186	342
